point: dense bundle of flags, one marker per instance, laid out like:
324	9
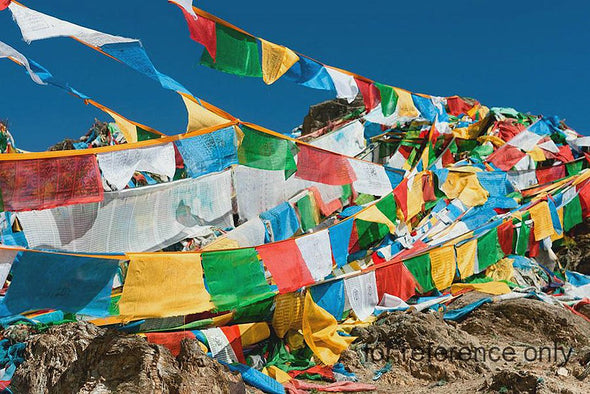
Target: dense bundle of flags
260	245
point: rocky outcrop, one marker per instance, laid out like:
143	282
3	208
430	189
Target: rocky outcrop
83	358
328	112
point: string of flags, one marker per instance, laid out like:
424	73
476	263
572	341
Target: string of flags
249	237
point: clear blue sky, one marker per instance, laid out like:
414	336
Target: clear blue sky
531	55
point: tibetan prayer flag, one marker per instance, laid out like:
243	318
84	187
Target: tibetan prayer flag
236	53
572	214
200	117
466	187
489	250
344	84
286	264
266	152
235	278
70	283
320	333
401	197
387	206
361	293
211	152
316	252
396	280
308	214
466	255
505	235
574	167
371	178
541	215
425	107
276	60
369	232
309	73
203	31
459	105
4	4
443	266
47	183
420	269
288	313
132	131
506	157
324	167
330	296
522	242
550	174
405	105
388	99
370	94
374	215
283	222
340	240
163	285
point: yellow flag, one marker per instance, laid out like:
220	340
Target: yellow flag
200	117
502	270
537	154
288	313
495	288
320	333
163	285
466	187
222	243
276	60
374	215
466	258
405	104
443	266
541	215
556	236
415	197
126	127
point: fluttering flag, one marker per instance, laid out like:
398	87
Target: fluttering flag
118	167
489	250
324	167
572	214
466	258
370	93
4	4
210	152
320	333
541	215
388	98
198	116
425	107
361	292
276	61
309	73
405	104
420	268
330	297
246	284
506	157
339	240
316	252
443	266
264	151
236	53
46	183
283	222
345	84
8	51
460	105
176	279
71	283
396	280
286	265
371	178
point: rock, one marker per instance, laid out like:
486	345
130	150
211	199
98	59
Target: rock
561	371
321	115
83	358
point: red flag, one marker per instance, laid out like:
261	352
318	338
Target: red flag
506	157
170	340
457	105
370	93
326	207
396	280
428	187
584	194
232	333
324	167
285	263
565	154
508	128
550	174
4	4
401	196
203	31
505	235
447	158
48	183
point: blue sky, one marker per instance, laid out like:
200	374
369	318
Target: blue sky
530	55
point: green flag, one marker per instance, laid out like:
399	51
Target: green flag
388	99
388	207
265	151
489	251
522	244
574	167
306	212
370	233
420	269
237	53
572	214
234	278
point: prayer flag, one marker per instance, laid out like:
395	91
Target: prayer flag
276	60
286	264
388	99
323	167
